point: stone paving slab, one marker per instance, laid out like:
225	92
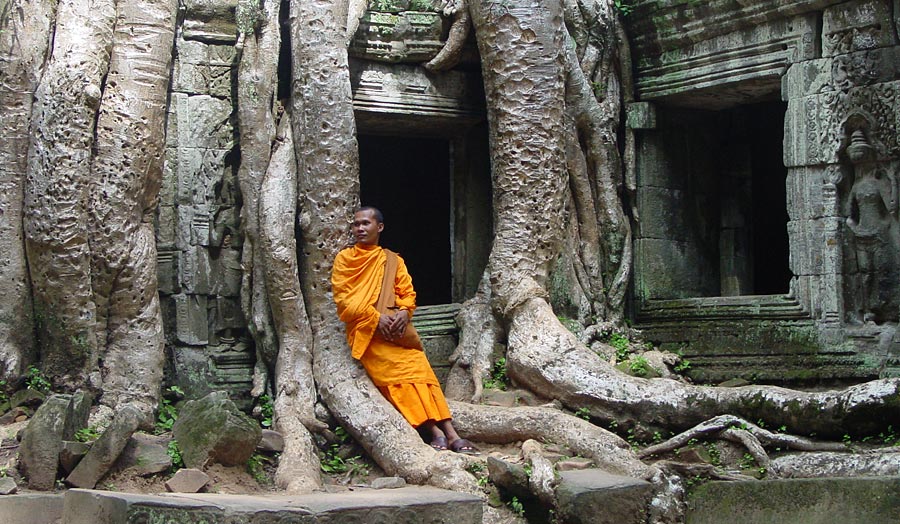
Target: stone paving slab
414	504
861	500
32	508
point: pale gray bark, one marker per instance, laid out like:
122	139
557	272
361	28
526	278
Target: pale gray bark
295	391
56	188
25	28
502	425
126	175
259	42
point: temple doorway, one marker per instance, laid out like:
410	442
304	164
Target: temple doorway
714	203
408	178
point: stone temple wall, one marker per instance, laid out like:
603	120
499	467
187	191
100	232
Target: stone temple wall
198	234
833	68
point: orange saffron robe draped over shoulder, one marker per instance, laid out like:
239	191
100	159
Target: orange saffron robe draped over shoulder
403	375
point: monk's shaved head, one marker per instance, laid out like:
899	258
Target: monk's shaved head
379	216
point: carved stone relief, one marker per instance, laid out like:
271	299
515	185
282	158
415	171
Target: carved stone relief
871	206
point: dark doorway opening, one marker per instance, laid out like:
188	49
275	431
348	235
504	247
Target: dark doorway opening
408	178
771	247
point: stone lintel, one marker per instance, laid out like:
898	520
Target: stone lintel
754	59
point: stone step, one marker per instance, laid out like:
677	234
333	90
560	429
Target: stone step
592	496
31	508
412	504
861	500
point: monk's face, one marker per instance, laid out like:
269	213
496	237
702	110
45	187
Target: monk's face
366	228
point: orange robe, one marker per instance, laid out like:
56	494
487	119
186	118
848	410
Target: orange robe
403	375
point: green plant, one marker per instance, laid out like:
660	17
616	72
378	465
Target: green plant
87	434
482	481
623	6
528	470
889	437
639	366
4	397
174	453
35	379
516	506
266	410
256	466
498	378
715	456
620	343
168	413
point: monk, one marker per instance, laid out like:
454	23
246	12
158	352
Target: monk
403	375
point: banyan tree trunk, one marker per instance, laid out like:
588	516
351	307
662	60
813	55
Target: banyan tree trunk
126	176
56	188
25	27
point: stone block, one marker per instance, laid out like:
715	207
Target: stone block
388	483
170	176
72	453
797	501
167	270
271	441
409	505
807	78
671	269
199	171
144	455
855	26
640	115
213	430
32	508
227	278
42	441
596	497
106	449
197	271
210	20
191	326
8	486
205	122
662	213
187	480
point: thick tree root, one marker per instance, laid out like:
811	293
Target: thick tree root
547	357
503	425
479	332
739	430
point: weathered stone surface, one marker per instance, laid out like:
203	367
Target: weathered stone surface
409	505
388	483
106	449
8	486
144	455
71	454
797	501
42	441
573	464
32	508
12	415
187	480
596	497
857	25
271	441
26	397
510	477
212	429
